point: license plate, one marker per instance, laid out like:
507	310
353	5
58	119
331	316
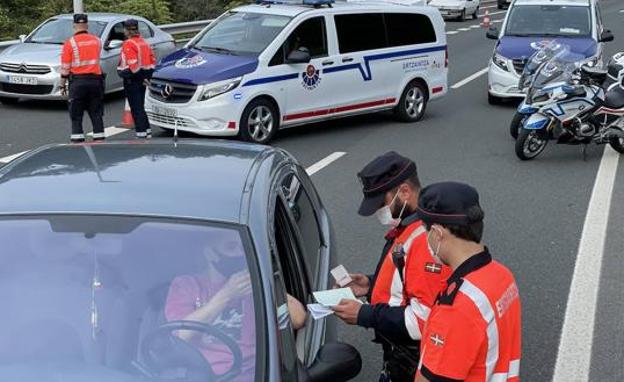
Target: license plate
166	111
23	80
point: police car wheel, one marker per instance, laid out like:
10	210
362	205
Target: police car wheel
475	15
8	101
259	122
462	16
413	103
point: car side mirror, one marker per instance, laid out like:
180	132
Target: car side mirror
606	36
114	44
334	362
492	33
22	37
299	56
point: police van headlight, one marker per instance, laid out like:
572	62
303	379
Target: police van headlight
500	61
211	91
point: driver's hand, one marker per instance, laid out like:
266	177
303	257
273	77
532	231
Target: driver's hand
239	284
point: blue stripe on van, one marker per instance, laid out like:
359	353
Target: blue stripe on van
366	74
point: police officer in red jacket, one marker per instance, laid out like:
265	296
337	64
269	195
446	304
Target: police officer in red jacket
136	65
407	279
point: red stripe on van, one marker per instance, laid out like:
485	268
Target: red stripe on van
341	109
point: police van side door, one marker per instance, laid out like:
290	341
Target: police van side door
309	95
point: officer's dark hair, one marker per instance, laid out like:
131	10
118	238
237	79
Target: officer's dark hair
471	232
413	181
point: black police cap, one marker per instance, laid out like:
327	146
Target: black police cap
81	18
381	175
449	203
131	24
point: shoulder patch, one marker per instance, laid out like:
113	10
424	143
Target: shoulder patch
447	296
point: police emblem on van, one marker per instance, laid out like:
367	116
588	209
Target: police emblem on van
537	45
190	62
311	78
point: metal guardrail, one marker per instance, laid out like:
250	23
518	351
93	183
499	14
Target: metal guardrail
174	29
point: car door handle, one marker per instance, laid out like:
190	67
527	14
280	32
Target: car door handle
327	63
347	59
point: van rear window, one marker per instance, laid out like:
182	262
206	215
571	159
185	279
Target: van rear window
382	31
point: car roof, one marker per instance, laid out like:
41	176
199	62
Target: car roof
292	10
99	16
194	179
553	2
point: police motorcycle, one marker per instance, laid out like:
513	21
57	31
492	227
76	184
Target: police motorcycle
571	103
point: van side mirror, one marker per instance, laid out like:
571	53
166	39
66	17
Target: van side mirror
299	56
492	33
113	44
22	37
606	36
335	362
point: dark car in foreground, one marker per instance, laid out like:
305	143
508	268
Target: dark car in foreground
163	262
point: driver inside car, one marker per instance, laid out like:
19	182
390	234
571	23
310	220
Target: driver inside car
221	296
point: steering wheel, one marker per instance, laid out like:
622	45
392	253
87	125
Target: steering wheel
165	354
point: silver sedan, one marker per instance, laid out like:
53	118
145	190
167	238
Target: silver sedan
31	69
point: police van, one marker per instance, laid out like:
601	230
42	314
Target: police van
262	67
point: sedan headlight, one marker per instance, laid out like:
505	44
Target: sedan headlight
500	61
213	91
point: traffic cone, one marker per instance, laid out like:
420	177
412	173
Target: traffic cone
127	121
486	20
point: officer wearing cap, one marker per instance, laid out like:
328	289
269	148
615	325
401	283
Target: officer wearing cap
474	329
407	279
136	66
80	65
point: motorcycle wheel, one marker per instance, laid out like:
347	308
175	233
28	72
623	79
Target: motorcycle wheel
617	144
529	144
516	124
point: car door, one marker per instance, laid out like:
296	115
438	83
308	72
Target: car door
303	254
310	95
110	56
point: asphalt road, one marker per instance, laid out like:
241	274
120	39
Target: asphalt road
534	210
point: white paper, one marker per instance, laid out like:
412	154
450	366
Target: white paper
341	275
318	311
332	297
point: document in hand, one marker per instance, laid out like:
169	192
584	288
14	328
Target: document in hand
332	297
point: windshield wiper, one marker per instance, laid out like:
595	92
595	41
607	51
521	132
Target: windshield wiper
217	49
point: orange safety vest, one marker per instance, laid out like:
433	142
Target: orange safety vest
136	54
420	283
474	329
81	55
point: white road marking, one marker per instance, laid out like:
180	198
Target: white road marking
318	166
463	29
575	346
112	131
492	14
497	21
621	10
489	6
11	157
475	26
452	32
469	78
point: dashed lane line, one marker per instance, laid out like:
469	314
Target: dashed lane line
318	166
469	79
452	32
9	158
577	335
463	29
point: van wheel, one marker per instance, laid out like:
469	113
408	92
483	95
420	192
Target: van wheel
413	103
8	101
462	16
493	100
475	15
259	122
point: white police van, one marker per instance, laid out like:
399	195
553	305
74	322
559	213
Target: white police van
262	67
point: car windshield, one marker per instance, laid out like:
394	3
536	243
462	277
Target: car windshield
241	33
548	20
104	298
56	31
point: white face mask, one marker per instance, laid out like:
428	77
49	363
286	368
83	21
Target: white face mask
384	214
435	253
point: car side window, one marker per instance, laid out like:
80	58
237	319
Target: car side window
352	27
117	33
310	34
599	26
409	29
145	30
305	217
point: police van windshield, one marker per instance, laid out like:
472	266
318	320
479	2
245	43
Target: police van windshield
549	20
241	33
124	299
56	31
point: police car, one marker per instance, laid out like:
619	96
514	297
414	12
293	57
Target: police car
262	67
529	25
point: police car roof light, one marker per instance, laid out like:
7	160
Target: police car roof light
315	3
